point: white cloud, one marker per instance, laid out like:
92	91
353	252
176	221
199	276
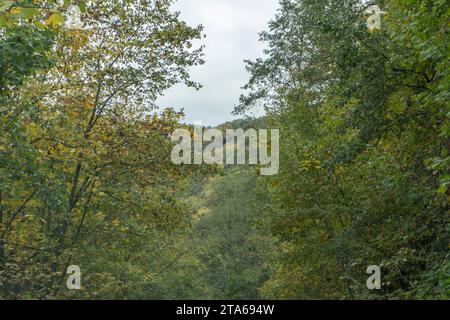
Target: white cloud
231	28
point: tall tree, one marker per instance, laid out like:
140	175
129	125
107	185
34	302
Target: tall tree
364	169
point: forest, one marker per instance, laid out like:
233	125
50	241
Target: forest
86	177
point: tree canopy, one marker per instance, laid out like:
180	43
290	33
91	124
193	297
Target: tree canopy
86	176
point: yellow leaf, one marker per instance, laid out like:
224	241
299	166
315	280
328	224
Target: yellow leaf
15	10
55	19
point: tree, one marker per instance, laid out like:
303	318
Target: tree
99	182
360	114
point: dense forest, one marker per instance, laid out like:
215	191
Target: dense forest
86	176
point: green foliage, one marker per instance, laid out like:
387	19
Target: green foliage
364	151
235	245
86	176
85	171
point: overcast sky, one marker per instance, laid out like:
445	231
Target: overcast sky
231	28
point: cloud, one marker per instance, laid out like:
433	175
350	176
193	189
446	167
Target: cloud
231	28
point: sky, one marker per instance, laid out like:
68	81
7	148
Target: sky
231	28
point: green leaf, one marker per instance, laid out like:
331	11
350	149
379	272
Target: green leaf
5	21
443	189
5	5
